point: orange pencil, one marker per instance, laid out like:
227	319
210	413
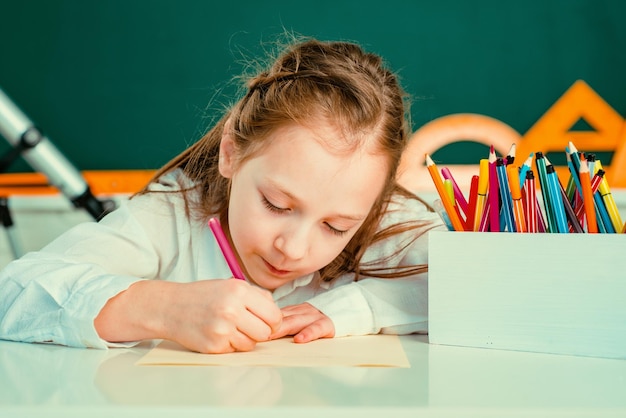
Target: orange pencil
516	196
447	204
590	209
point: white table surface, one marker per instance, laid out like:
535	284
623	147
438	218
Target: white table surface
443	381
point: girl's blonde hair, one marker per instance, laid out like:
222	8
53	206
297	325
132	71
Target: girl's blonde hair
310	81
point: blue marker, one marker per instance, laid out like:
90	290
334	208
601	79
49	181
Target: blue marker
556	201
506	212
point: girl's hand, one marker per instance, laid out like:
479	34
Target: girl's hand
209	316
305	323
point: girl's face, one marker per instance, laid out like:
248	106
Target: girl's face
295	204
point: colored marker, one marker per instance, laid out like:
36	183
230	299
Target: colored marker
524	168
516	197
530	202
449	188
609	201
227	251
602	216
591	162
471	205
458	194
438	206
483	183
587	194
484	220
573	163
556	201
574	223
543	184
595	184
506	214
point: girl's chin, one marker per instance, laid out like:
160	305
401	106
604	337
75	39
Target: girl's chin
269	282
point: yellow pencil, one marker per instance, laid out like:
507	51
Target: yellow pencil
445	199
609	202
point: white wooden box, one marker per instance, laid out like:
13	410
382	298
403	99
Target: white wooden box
552	293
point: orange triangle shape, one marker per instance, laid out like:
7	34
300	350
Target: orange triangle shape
552	131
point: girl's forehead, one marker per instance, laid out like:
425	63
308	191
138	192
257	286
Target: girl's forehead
302	161
333	138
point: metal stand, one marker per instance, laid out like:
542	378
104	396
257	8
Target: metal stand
29	143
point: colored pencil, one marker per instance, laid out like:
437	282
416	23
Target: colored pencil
510	156
494	193
447	204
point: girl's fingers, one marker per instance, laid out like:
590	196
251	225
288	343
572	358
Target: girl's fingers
322	328
261	304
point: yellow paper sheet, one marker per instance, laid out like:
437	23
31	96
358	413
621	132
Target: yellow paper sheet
361	351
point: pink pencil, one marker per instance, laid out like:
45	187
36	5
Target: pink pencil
227	251
494	193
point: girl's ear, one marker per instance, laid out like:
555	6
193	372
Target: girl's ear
227	152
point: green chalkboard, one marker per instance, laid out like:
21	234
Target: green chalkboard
120	84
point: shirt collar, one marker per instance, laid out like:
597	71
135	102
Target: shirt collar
289	287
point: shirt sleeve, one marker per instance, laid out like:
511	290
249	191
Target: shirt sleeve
54	295
389	306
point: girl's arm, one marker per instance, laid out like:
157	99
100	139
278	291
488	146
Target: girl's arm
97	271
209	316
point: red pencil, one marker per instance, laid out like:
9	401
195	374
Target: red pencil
471	206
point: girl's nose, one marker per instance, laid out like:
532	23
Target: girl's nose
293	242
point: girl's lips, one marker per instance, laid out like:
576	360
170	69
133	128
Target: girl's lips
276	271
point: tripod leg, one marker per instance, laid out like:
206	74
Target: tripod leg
7	222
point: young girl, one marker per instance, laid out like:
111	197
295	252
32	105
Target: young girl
301	173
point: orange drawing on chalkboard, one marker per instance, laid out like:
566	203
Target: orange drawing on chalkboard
551	133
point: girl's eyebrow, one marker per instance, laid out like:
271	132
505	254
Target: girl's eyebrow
280	189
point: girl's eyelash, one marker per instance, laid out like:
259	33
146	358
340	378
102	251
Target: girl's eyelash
336	231
273	208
